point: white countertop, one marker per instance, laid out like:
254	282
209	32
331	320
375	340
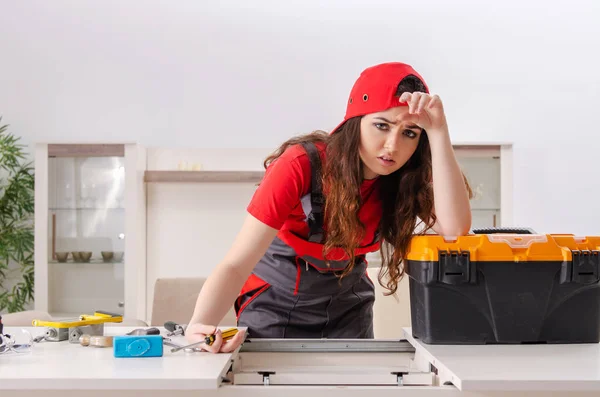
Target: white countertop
572	367
52	365
56	366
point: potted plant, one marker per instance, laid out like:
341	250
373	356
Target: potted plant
16	224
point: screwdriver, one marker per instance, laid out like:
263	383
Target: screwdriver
210	339
227	334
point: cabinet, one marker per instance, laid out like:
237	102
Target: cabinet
488	168
89	228
483	174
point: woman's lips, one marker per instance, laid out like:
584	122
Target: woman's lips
386	161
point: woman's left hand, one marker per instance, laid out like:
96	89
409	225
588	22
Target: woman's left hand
427	110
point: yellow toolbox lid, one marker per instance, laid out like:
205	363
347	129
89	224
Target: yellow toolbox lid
504	247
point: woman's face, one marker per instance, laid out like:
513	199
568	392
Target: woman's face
387	140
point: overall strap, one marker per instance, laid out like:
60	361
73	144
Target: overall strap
317	200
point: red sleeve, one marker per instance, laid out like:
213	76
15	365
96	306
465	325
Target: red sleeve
280	190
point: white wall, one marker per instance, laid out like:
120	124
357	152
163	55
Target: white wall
250	74
190	226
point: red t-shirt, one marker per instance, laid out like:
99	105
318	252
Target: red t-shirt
276	201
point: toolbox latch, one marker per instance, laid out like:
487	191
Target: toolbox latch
455	267
586	266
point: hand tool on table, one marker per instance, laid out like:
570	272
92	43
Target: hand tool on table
174	328
209	339
144	331
168	342
73	329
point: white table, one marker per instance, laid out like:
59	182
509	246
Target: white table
64	369
546	368
56	365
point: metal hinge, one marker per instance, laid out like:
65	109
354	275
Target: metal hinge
266	377
399	377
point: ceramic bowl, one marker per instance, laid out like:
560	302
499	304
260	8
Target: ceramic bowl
107	256
85	256
118	256
76	256
62	256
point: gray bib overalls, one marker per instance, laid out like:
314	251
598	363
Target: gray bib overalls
298	296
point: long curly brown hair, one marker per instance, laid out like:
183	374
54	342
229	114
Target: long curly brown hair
407	195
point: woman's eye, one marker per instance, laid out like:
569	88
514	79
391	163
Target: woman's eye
381	126
410	133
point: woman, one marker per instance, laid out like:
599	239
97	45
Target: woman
297	268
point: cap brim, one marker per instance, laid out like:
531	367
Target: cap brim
337	127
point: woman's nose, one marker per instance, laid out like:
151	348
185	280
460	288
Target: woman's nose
391	142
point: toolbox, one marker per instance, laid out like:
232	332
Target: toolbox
504	286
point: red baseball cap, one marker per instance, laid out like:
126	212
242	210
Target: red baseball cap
375	89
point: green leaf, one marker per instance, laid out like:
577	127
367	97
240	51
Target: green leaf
17	201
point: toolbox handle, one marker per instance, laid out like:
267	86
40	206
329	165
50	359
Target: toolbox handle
504	230
518	241
511	236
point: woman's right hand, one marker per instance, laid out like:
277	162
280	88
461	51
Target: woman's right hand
197	332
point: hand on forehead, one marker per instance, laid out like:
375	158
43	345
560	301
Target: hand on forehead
398	116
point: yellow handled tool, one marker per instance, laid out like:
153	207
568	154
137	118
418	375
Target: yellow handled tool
85	319
227	334
209	339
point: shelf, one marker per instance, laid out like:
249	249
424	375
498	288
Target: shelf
92	261
86	209
86	150
203	176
